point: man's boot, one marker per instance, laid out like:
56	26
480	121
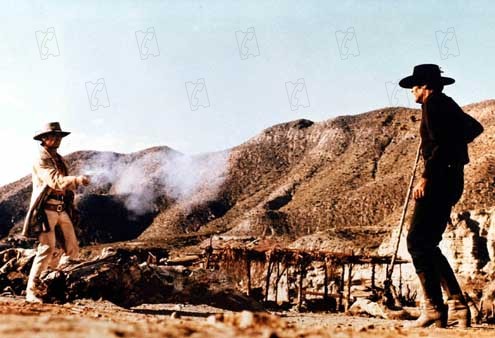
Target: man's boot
458	309
433	310
430	314
459	312
32	298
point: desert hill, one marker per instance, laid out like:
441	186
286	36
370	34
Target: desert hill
344	179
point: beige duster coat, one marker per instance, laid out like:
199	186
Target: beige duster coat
46	178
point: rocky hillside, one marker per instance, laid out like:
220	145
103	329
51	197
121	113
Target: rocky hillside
343	179
339	183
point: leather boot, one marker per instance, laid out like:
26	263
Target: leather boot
433	310
459	312
430	314
458	309
32	298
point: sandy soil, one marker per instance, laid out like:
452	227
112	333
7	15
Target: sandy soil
102	319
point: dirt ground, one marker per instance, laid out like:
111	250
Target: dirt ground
87	318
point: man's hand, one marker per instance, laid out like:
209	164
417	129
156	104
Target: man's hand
419	189
83	180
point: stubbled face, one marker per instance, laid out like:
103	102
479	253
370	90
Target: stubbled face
52	141
420	93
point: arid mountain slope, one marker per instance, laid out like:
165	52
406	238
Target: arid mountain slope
344	178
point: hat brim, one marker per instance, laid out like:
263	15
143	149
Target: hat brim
411	81
39	136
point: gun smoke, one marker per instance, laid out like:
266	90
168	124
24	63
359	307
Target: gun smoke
141	180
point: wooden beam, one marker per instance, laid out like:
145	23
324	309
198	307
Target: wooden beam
302	270
248	273
349	282
276	281
373	273
341	288
325	281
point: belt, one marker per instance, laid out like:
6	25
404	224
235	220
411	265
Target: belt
54	207
56	197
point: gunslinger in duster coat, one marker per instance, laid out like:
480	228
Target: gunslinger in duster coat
50	206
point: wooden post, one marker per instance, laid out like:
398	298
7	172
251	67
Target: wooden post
301	280
341	288
248	271
325	281
349	282
276	282
209	251
373	272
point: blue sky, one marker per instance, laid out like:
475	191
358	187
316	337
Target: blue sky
207	75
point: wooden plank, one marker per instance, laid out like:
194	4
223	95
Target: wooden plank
349	283
301	281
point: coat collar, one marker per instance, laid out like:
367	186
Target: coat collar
45	154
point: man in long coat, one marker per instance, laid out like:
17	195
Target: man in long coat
50	206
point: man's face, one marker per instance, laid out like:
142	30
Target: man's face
420	93
52	140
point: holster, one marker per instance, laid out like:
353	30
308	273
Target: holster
40	224
36	220
70	208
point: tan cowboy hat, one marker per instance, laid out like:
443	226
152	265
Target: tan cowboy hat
50	128
425	73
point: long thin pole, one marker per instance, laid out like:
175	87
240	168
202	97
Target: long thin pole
349	283
403	216
248	272
302	271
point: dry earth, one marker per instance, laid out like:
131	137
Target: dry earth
100	319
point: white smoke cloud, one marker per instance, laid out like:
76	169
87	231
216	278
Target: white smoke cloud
103	168
142	180
185	175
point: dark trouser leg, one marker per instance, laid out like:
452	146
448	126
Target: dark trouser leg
447	277
425	233
453	188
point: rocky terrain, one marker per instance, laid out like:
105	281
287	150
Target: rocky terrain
334	185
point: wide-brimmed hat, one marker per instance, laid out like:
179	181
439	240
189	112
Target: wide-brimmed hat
50	128
423	74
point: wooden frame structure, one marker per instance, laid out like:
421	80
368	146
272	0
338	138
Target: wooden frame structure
278	260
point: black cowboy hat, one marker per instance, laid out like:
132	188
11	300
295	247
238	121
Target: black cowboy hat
50	128
423	74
